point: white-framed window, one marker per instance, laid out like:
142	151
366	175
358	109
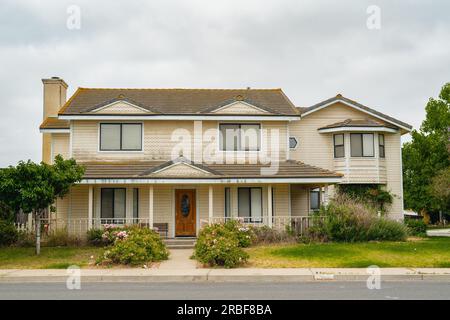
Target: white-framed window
227	212
314	199
381	149
120	136
240	136
339	149
250	203
361	145
113	205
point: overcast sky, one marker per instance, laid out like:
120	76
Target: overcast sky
312	49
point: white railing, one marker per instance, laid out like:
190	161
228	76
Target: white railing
298	224
79	227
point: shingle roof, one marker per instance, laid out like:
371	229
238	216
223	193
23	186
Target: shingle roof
358	123
54	123
179	101
339	97
142	170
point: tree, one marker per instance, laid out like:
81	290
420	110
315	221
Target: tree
440	187
35	187
427	155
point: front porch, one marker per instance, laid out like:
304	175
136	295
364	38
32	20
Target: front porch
161	206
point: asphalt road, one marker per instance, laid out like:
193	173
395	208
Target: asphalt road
184	291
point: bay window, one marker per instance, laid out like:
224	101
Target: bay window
362	145
338	141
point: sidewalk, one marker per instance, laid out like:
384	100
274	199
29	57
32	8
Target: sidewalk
180	268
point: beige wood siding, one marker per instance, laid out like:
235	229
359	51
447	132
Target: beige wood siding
299	200
61	145
165	140
394	174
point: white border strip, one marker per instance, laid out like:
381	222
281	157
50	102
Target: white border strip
356	129
54	130
210	181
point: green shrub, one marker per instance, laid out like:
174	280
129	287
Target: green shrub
385	229
134	246
217	245
416	227
61	238
349	220
25	239
266	235
244	234
95	237
8	233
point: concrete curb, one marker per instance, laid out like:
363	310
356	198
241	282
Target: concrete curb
226	275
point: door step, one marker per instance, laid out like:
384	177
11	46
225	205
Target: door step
180	243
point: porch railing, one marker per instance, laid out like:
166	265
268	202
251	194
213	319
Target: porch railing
78	227
298	224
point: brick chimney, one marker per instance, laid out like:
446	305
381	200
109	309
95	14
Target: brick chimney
55	90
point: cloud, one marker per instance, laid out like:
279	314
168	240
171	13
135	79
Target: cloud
311	49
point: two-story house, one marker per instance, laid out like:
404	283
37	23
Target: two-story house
177	158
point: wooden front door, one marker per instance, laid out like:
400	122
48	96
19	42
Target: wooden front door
185	212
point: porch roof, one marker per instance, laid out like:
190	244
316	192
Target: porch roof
290	171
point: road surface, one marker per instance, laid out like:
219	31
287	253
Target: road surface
307	290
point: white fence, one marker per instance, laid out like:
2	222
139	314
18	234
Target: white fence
298	224
78	227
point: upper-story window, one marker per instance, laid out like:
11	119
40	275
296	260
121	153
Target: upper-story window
381	145
120	136
240	137
339	150
362	145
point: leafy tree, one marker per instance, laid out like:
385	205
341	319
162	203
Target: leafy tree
440	187
427	155
35	187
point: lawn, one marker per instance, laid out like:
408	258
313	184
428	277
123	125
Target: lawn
50	258
427	252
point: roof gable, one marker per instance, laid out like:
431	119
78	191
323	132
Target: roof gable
355	105
120	106
180	167
239	107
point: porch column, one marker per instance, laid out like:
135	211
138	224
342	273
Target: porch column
91	207
210	203
150	207
325	195
269	206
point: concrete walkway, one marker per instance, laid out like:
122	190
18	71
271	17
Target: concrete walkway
174	272
438	232
179	259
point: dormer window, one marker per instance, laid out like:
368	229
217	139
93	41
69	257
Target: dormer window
120	137
240	137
